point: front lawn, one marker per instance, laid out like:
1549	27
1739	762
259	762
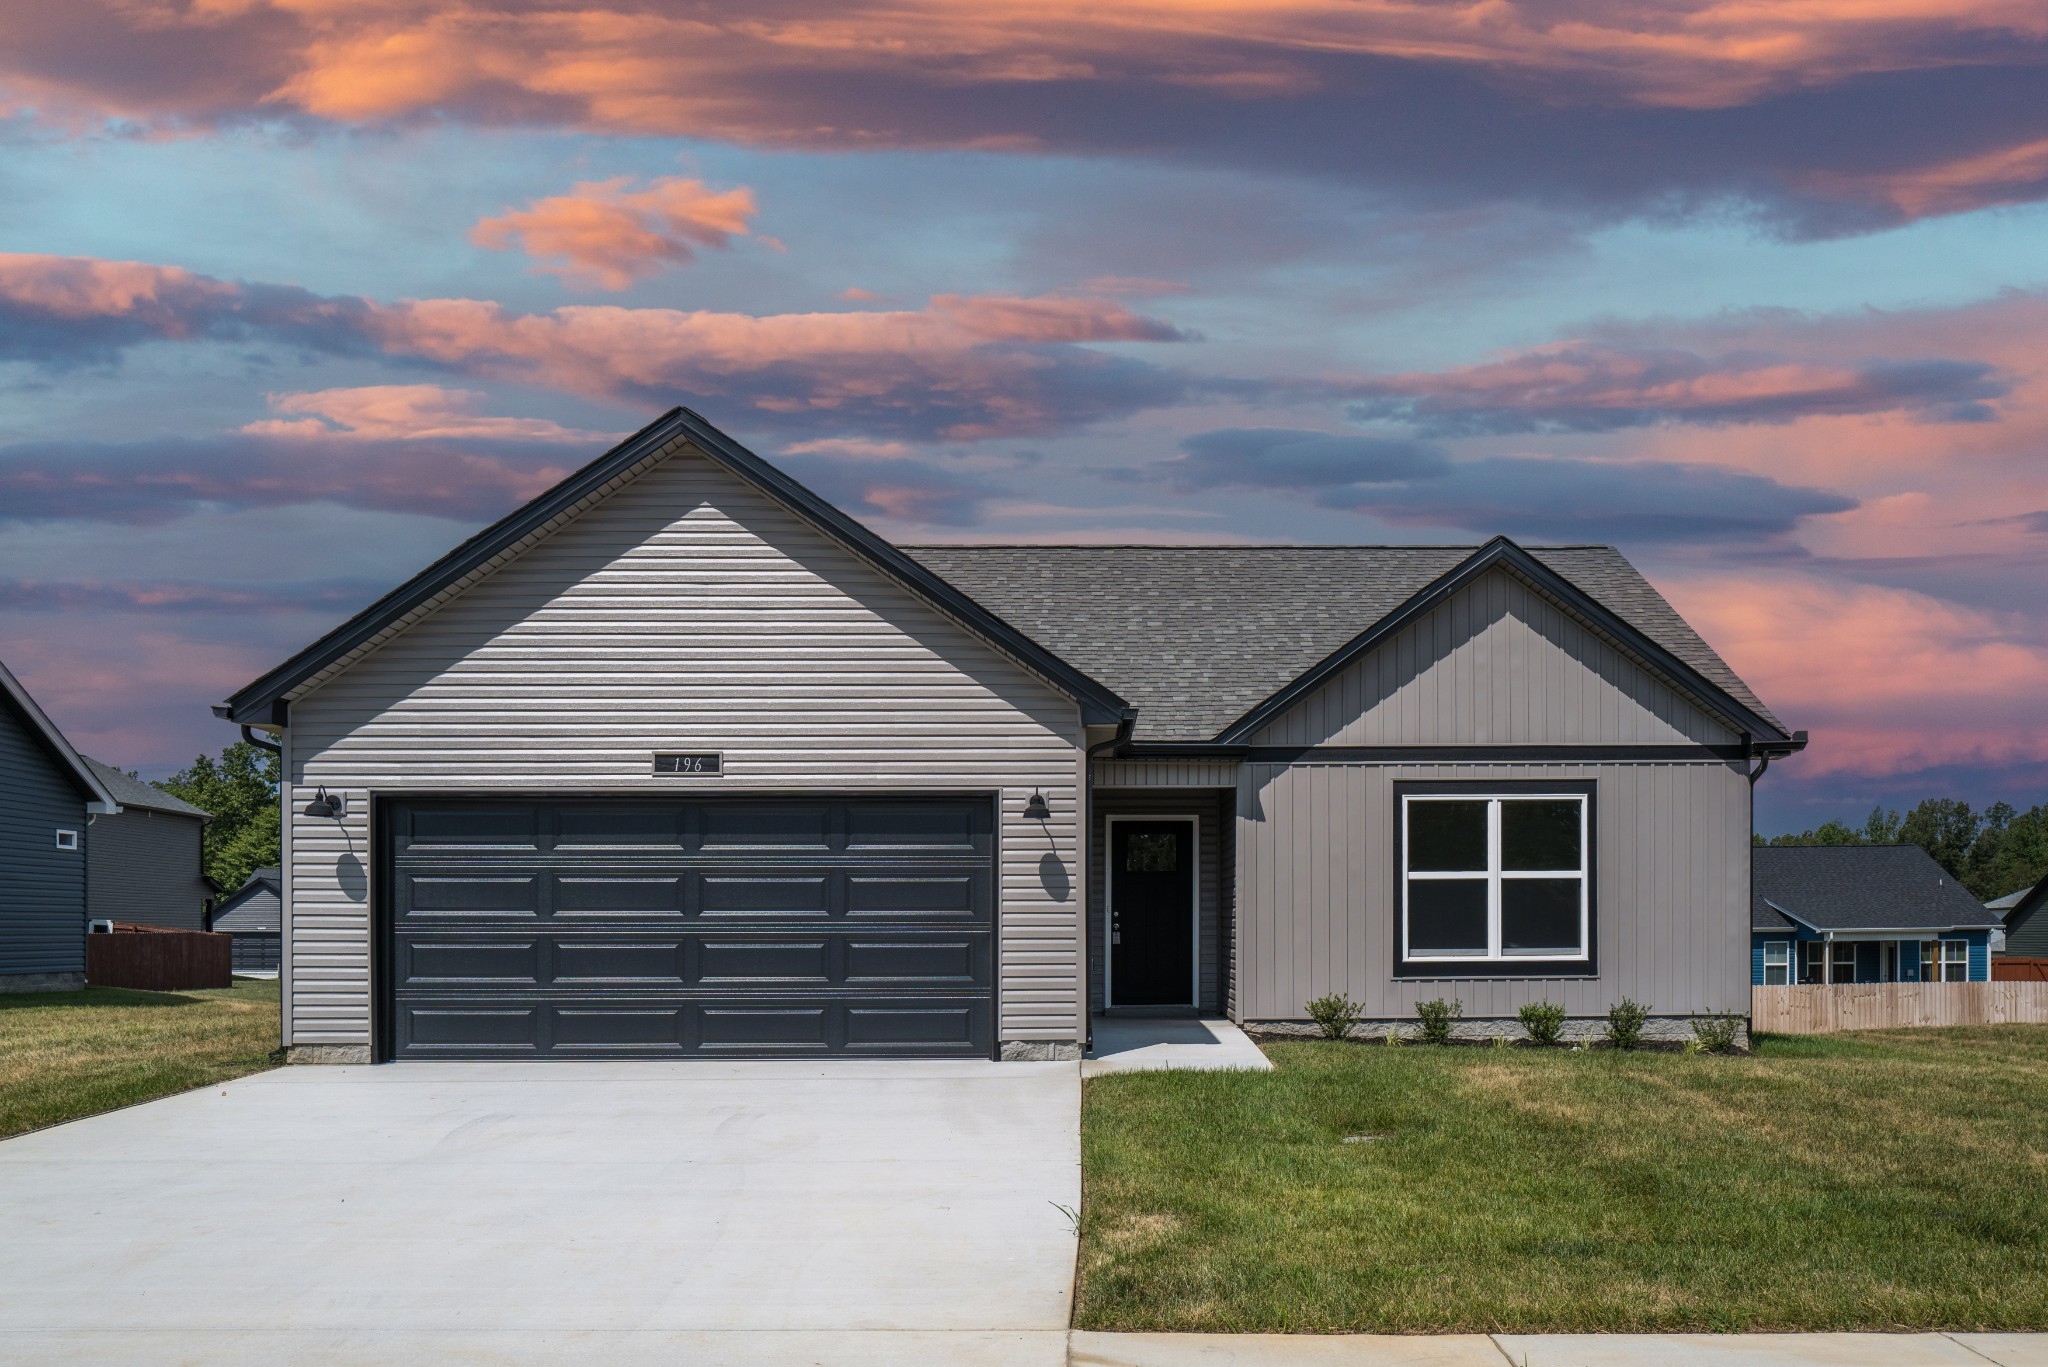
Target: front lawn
69	1054
1893	1180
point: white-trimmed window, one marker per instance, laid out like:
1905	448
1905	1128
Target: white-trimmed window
1842	965
1495	878
1944	961
1777	963
1813	961
67	840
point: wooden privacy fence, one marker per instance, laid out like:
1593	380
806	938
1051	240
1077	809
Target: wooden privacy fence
2005	969
158	960
1885	1006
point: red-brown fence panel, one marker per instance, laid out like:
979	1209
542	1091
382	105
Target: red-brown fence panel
2018	970
158	960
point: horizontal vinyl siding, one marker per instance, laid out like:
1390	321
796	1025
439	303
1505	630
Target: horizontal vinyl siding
42	888
1497	664
145	868
1317	886
260	910
687	612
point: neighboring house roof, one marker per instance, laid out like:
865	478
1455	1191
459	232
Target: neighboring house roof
2013	899
256	905
264	701
97	797
2013	909
1859	887
133	792
1202	638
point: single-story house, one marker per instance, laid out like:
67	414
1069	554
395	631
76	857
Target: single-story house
254	915
49	798
147	864
1864	914
681	760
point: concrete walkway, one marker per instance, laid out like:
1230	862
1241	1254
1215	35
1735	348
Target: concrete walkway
1128	1044
518	1212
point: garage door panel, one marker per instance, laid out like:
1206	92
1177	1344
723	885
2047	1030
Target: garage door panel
691	926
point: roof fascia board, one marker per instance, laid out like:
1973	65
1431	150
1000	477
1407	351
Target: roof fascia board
1503	553
1100	705
264	701
98	799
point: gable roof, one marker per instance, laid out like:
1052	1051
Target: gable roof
2015	907
1211	642
265	701
267	914
1859	887
43	730
133	792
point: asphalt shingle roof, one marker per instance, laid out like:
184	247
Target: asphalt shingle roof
1859	887
133	792
1196	636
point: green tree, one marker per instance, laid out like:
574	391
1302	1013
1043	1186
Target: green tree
2010	852
1945	828
240	788
1827	833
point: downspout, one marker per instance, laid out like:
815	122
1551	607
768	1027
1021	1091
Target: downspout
263	743
1125	725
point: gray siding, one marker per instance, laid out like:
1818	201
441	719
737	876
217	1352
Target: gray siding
684	612
1497	664
260	910
42	888
1165	773
1206	807
2029	938
1316	890
144	867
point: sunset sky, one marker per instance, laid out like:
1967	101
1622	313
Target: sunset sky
295	295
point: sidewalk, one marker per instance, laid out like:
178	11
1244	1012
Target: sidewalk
1558	1350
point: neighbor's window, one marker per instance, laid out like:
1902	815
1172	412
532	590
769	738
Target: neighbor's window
1813	961
1844	966
1500	878
1955	961
1777	963
67	840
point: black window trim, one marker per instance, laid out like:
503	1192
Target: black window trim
1485	969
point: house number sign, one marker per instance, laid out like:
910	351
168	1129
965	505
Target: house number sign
689	764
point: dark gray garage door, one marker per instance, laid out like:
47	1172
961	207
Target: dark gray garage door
734	927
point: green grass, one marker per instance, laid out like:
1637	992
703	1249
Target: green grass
1887	1181
69	1054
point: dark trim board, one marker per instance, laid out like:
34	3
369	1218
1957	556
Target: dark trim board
1678	753
262	702
552	966
1494	969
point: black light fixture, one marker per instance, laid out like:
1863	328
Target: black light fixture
324	803
1035	808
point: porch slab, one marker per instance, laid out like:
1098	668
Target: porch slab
1129	1044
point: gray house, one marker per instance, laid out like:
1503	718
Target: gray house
2026	930
49	796
680	760
254	915
146	865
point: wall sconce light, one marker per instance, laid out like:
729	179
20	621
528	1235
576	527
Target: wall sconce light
325	804
1035	808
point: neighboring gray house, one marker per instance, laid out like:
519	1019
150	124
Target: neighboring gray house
2026	929
680	760
147	864
254	915
49	797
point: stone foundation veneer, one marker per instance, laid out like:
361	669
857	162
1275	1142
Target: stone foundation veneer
41	982
1586	1030
1040	1051
328	1053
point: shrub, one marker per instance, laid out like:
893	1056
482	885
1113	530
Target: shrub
1543	1020
1625	1023
1436	1017
1717	1033
1335	1015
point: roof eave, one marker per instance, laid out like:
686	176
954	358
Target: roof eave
1502	552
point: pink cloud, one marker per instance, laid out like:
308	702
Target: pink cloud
406	412
604	235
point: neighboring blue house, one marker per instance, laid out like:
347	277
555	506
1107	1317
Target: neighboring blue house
1863	914
48	798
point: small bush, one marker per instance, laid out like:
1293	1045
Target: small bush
1543	1020
1717	1033
1335	1015
1625	1023
1436	1017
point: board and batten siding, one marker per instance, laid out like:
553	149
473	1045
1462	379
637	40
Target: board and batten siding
685	611
42	888
145	868
1497	664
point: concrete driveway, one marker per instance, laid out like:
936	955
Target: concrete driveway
700	1212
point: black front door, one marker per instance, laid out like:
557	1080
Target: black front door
1152	913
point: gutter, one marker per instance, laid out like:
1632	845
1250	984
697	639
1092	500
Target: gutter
1769	751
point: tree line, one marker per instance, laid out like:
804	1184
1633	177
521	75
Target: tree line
1998	850
239	786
